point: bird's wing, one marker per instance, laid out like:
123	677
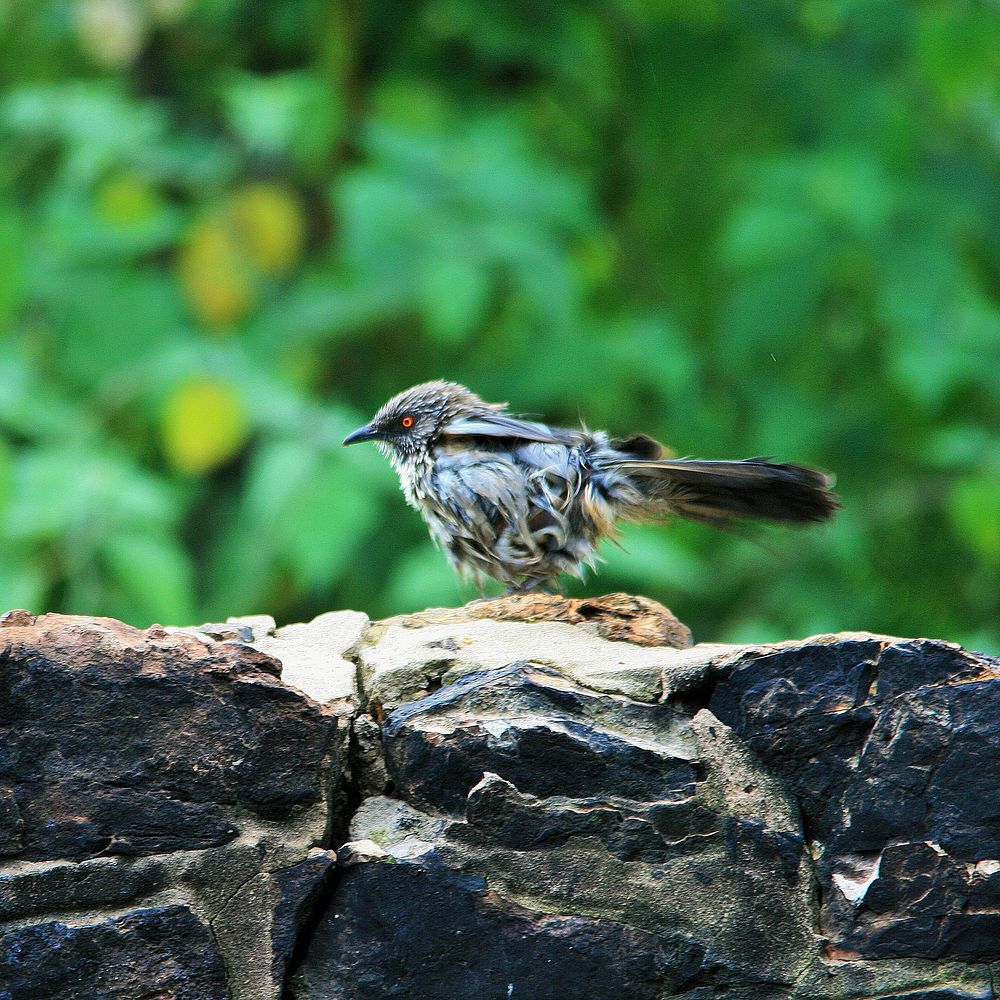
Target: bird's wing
504	425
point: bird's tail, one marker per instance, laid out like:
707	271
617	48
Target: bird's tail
718	492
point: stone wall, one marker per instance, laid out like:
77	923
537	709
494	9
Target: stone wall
531	797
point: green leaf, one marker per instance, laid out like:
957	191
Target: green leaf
453	297
648	555
12	263
156	574
422	578
284	113
973	508
110	318
22	584
763	235
322	527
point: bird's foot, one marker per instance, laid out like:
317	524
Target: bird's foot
542	587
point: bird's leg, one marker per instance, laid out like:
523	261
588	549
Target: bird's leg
529	586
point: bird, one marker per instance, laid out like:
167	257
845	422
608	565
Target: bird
521	502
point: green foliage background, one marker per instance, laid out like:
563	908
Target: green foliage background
230	229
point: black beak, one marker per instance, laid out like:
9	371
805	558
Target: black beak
366	433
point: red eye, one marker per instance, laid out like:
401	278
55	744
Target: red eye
407	421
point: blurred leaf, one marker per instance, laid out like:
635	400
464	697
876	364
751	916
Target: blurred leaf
285	113
204	424
22	585
6	476
70	494
422	578
125	198
737	230
973	507
763	235
958	50
453	296
115	317
649	555
215	278
11	263
964	446
156	574
111	31
432	208
270	222
324	527
98	126
279	472
46	496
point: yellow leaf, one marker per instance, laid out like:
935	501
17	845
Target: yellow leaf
271	227
126	198
204	424
111	32
213	275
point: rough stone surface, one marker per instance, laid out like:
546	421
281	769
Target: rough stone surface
531	797
315	656
131	743
147	955
623	617
532	725
167	777
464	941
585	814
886	745
405	660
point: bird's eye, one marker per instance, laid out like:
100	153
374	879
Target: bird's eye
407	421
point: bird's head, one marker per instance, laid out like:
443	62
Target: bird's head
411	421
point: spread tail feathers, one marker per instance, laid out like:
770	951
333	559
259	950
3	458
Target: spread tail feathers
719	491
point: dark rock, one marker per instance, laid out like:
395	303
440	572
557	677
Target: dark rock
453	938
827	828
11	823
165	953
122	742
889	747
367	760
549	737
599	807
34	890
299	887
629	830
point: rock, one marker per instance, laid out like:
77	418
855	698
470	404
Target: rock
299	890
359	852
387	822
533	797
260	625
11	823
591	807
367	760
30	890
126	744
533	726
149	954
405	659
170	774
316	656
888	747
455	938
622	617
894	980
